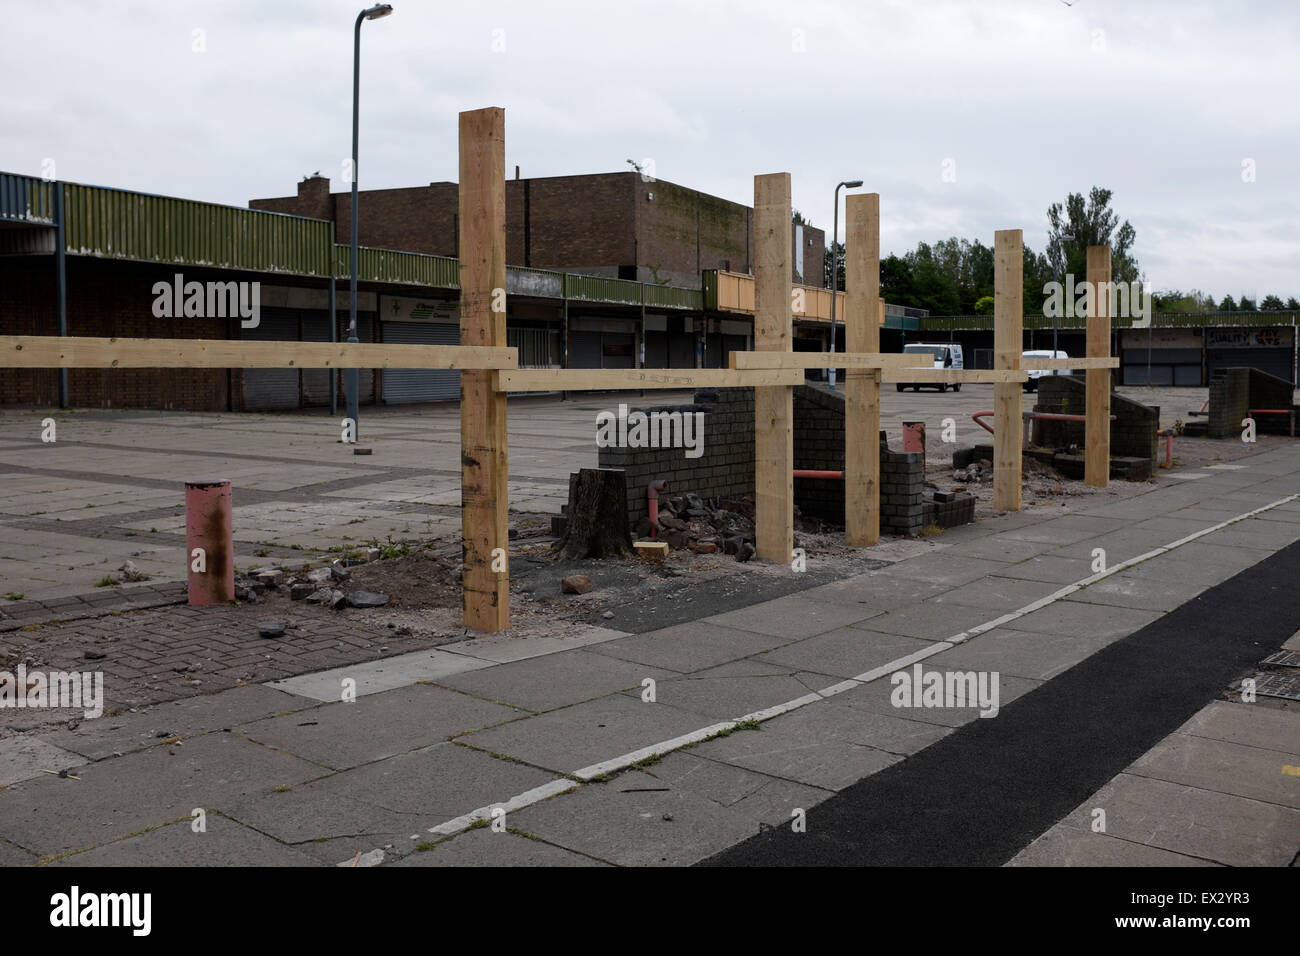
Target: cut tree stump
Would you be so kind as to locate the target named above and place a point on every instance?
(597, 525)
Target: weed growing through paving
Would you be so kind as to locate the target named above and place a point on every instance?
(14, 596)
(107, 581)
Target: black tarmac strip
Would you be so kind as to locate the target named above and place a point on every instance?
(983, 793)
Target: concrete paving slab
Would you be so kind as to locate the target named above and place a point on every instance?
(1049, 568)
(504, 648)
(1245, 771)
(11, 855)
(847, 652)
(385, 802)
(1070, 846)
(1257, 533)
(1097, 621)
(827, 762)
(997, 594)
(943, 567)
(930, 621)
(344, 735)
(1253, 725)
(877, 591)
(794, 617)
(122, 795)
(1021, 653)
(1004, 549)
(897, 733)
(575, 737)
(1198, 562)
(668, 815)
(225, 843)
(186, 717)
(875, 698)
(23, 757)
(1068, 529)
(1232, 830)
(1140, 593)
(733, 690)
(486, 847)
(375, 677)
(690, 647)
(557, 680)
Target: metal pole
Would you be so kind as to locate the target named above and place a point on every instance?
(334, 337)
(61, 281)
(835, 280)
(352, 376)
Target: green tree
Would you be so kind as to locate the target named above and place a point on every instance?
(1078, 224)
(984, 305)
(1271, 303)
(835, 261)
(1227, 305)
(1246, 305)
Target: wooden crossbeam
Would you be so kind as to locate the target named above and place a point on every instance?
(1008, 342)
(1046, 364)
(953, 376)
(53, 351)
(862, 383)
(804, 360)
(484, 496)
(615, 379)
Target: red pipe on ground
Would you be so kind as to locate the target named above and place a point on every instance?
(1277, 411)
(652, 504)
(813, 473)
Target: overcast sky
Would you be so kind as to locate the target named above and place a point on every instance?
(1160, 101)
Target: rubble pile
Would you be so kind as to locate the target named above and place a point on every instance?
(687, 522)
(324, 586)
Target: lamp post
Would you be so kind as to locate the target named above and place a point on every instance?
(352, 377)
(835, 268)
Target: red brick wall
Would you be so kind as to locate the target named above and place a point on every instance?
(578, 223)
(105, 298)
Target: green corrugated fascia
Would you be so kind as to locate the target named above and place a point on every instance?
(116, 224)
(978, 323)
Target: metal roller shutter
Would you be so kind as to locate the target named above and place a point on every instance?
(315, 381)
(420, 385)
(272, 389)
(1276, 361)
(584, 350)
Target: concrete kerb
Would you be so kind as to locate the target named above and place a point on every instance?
(602, 769)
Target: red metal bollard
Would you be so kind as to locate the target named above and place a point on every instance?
(209, 543)
(914, 439)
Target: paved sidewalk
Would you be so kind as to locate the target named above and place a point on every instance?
(754, 716)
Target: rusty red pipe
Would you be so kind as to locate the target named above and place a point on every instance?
(813, 473)
(652, 504)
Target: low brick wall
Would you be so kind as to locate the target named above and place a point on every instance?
(726, 468)
(1132, 433)
(1235, 391)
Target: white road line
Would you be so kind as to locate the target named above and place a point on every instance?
(586, 774)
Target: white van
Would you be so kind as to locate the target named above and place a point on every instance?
(1031, 383)
(947, 355)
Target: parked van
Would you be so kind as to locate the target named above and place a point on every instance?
(1031, 383)
(947, 355)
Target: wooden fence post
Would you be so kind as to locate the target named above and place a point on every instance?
(861, 386)
(773, 404)
(483, 452)
(1096, 454)
(1008, 344)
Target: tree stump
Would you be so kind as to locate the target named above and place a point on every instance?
(597, 525)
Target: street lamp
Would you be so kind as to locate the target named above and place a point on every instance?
(352, 377)
(835, 268)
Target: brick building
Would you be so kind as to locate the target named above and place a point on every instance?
(616, 225)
